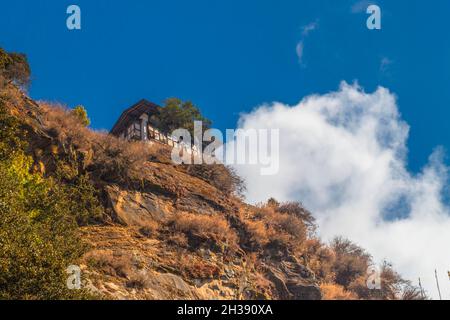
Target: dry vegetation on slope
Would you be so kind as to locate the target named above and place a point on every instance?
(154, 230)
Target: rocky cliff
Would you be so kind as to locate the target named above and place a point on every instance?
(155, 230)
(165, 232)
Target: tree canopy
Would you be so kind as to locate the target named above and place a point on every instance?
(14, 67)
(178, 114)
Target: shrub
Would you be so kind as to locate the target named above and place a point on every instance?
(392, 287)
(266, 225)
(138, 281)
(197, 268)
(297, 210)
(38, 231)
(351, 261)
(11, 138)
(39, 238)
(150, 229)
(114, 265)
(65, 124)
(332, 291)
(319, 258)
(178, 239)
(258, 232)
(14, 67)
(272, 202)
(109, 159)
(290, 225)
(222, 177)
(81, 113)
(86, 204)
(205, 227)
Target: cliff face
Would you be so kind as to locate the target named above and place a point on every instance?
(166, 232)
(135, 258)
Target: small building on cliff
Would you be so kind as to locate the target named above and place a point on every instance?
(135, 124)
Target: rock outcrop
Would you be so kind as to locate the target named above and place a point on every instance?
(142, 250)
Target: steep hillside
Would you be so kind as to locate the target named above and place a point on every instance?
(165, 233)
(154, 230)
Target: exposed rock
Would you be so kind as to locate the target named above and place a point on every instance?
(134, 208)
(293, 287)
(126, 263)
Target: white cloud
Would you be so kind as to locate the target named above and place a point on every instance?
(309, 28)
(384, 64)
(361, 6)
(343, 155)
(300, 47)
(299, 51)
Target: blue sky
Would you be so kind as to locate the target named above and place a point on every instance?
(231, 56)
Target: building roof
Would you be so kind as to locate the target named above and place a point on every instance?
(133, 113)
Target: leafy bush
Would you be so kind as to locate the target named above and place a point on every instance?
(38, 229)
(86, 205)
(81, 113)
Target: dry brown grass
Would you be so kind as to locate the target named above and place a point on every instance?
(319, 258)
(222, 177)
(106, 261)
(109, 158)
(331, 291)
(150, 229)
(258, 232)
(11, 95)
(212, 227)
(177, 239)
(197, 268)
(137, 281)
(265, 225)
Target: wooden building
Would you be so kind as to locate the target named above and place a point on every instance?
(135, 124)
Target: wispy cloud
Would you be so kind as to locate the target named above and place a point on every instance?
(299, 50)
(309, 27)
(361, 6)
(384, 64)
(300, 47)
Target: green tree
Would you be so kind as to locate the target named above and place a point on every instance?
(81, 113)
(14, 67)
(178, 114)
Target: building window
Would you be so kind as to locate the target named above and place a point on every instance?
(134, 131)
